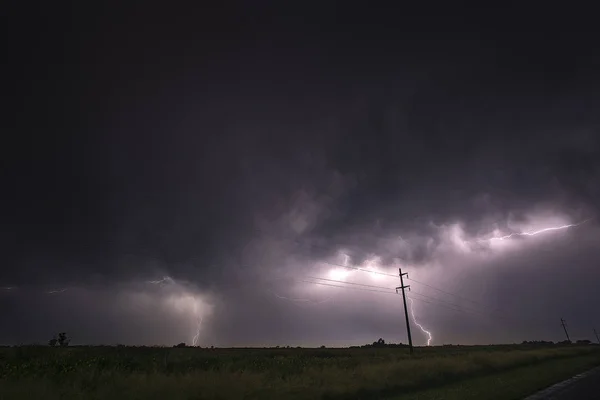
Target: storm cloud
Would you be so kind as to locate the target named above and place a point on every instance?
(170, 174)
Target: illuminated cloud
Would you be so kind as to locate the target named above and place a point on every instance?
(223, 195)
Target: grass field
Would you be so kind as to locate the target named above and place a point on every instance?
(455, 372)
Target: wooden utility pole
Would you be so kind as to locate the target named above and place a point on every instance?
(564, 325)
(405, 308)
(597, 339)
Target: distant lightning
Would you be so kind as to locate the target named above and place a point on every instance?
(499, 238)
(7, 289)
(412, 312)
(197, 335)
(56, 291)
(165, 280)
(533, 233)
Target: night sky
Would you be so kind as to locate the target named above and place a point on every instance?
(169, 173)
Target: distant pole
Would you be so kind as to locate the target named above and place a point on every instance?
(405, 308)
(596, 333)
(564, 325)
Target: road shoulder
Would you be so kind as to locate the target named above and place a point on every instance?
(582, 386)
(514, 384)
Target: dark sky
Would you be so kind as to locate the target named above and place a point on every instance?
(244, 149)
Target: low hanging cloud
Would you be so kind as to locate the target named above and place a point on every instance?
(223, 200)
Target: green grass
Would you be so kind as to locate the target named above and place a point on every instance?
(336, 374)
(513, 384)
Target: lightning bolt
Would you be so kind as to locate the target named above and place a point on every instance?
(533, 233)
(197, 335)
(412, 312)
(165, 280)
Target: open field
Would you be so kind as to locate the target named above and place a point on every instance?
(506, 372)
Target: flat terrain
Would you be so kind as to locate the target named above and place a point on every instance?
(449, 372)
(585, 386)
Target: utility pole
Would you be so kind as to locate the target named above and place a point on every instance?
(405, 308)
(596, 333)
(564, 325)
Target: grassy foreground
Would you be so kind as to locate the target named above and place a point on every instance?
(513, 384)
(458, 372)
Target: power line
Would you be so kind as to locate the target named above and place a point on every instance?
(371, 288)
(484, 310)
(450, 306)
(440, 305)
(360, 269)
(496, 310)
(394, 276)
(308, 301)
(491, 310)
(345, 287)
(458, 306)
(455, 306)
(435, 301)
(301, 302)
(350, 283)
(445, 292)
(419, 282)
(499, 312)
(413, 280)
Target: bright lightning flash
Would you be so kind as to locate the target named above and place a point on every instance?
(197, 335)
(412, 312)
(533, 233)
(184, 301)
(339, 274)
(165, 280)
